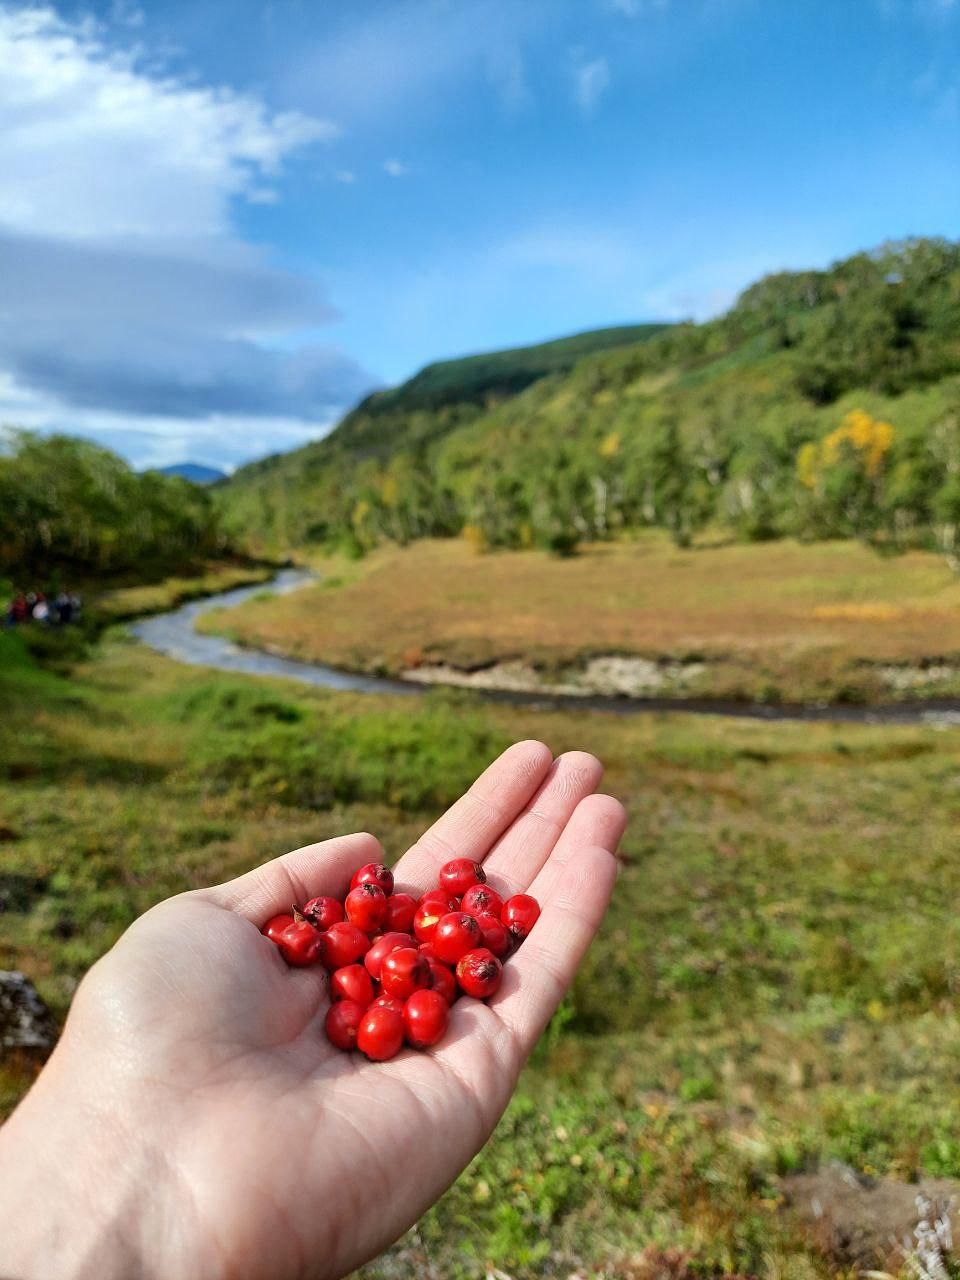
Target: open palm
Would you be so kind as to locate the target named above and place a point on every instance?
(272, 1154)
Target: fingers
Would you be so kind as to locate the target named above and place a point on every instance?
(523, 849)
(537, 977)
(473, 823)
(597, 821)
(298, 876)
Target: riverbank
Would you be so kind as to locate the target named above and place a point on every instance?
(774, 624)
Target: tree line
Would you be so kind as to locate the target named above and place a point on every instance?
(69, 508)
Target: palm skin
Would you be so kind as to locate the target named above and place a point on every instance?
(230, 1138)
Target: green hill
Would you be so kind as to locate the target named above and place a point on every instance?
(824, 403)
(292, 498)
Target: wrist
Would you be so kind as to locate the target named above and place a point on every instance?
(80, 1198)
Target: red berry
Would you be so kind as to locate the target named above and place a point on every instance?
(352, 983)
(276, 925)
(323, 911)
(425, 1018)
(344, 944)
(380, 1034)
(442, 980)
(387, 1002)
(450, 900)
(481, 900)
(342, 1022)
(381, 947)
(520, 913)
(401, 909)
(374, 873)
(366, 907)
(454, 936)
(301, 944)
(403, 972)
(496, 936)
(479, 973)
(429, 915)
(459, 874)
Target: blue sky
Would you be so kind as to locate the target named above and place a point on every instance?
(221, 223)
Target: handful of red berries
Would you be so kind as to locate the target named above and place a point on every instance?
(397, 964)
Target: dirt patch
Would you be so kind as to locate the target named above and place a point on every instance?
(866, 1223)
(608, 674)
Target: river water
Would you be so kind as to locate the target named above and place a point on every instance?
(174, 634)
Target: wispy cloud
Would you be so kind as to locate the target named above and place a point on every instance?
(401, 56)
(591, 79)
(634, 8)
(346, 176)
(396, 168)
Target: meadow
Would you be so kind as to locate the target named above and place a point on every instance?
(774, 989)
(777, 622)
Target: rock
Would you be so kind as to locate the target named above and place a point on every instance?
(864, 1223)
(25, 1021)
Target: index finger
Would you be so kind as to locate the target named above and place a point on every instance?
(471, 825)
(536, 978)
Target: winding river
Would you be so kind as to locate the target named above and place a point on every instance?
(174, 634)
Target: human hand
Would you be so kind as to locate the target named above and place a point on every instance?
(194, 1121)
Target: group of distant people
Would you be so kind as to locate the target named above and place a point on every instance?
(36, 606)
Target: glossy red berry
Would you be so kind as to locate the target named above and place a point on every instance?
(374, 873)
(401, 909)
(460, 874)
(380, 1034)
(381, 947)
(496, 936)
(520, 913)
(323, 911)
(387, 1002)
(454, 936)
(428, 916)
(342, 1022)
(450, 900)
(403, 972)
(442, 980)
(352, 983)
(301, 944)
(366, 907)
(481, 900)
(425, 1018)
(479, 973)
(344, 944)
(276, 925)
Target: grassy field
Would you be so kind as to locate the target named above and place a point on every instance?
(775, 986)
(776, 621)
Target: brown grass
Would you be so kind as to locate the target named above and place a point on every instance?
(796, 616)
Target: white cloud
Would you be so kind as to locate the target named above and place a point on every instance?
(346, 176)
(591, 79)
(396, 168)
(93, 145)
(127, 295)
(218, 440)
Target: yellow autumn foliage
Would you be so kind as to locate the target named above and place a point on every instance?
(869, 438)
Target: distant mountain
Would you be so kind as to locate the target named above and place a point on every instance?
(195, 472)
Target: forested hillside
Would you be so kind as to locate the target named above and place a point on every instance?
(69, 507)
(382, 451)
(824, 403)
